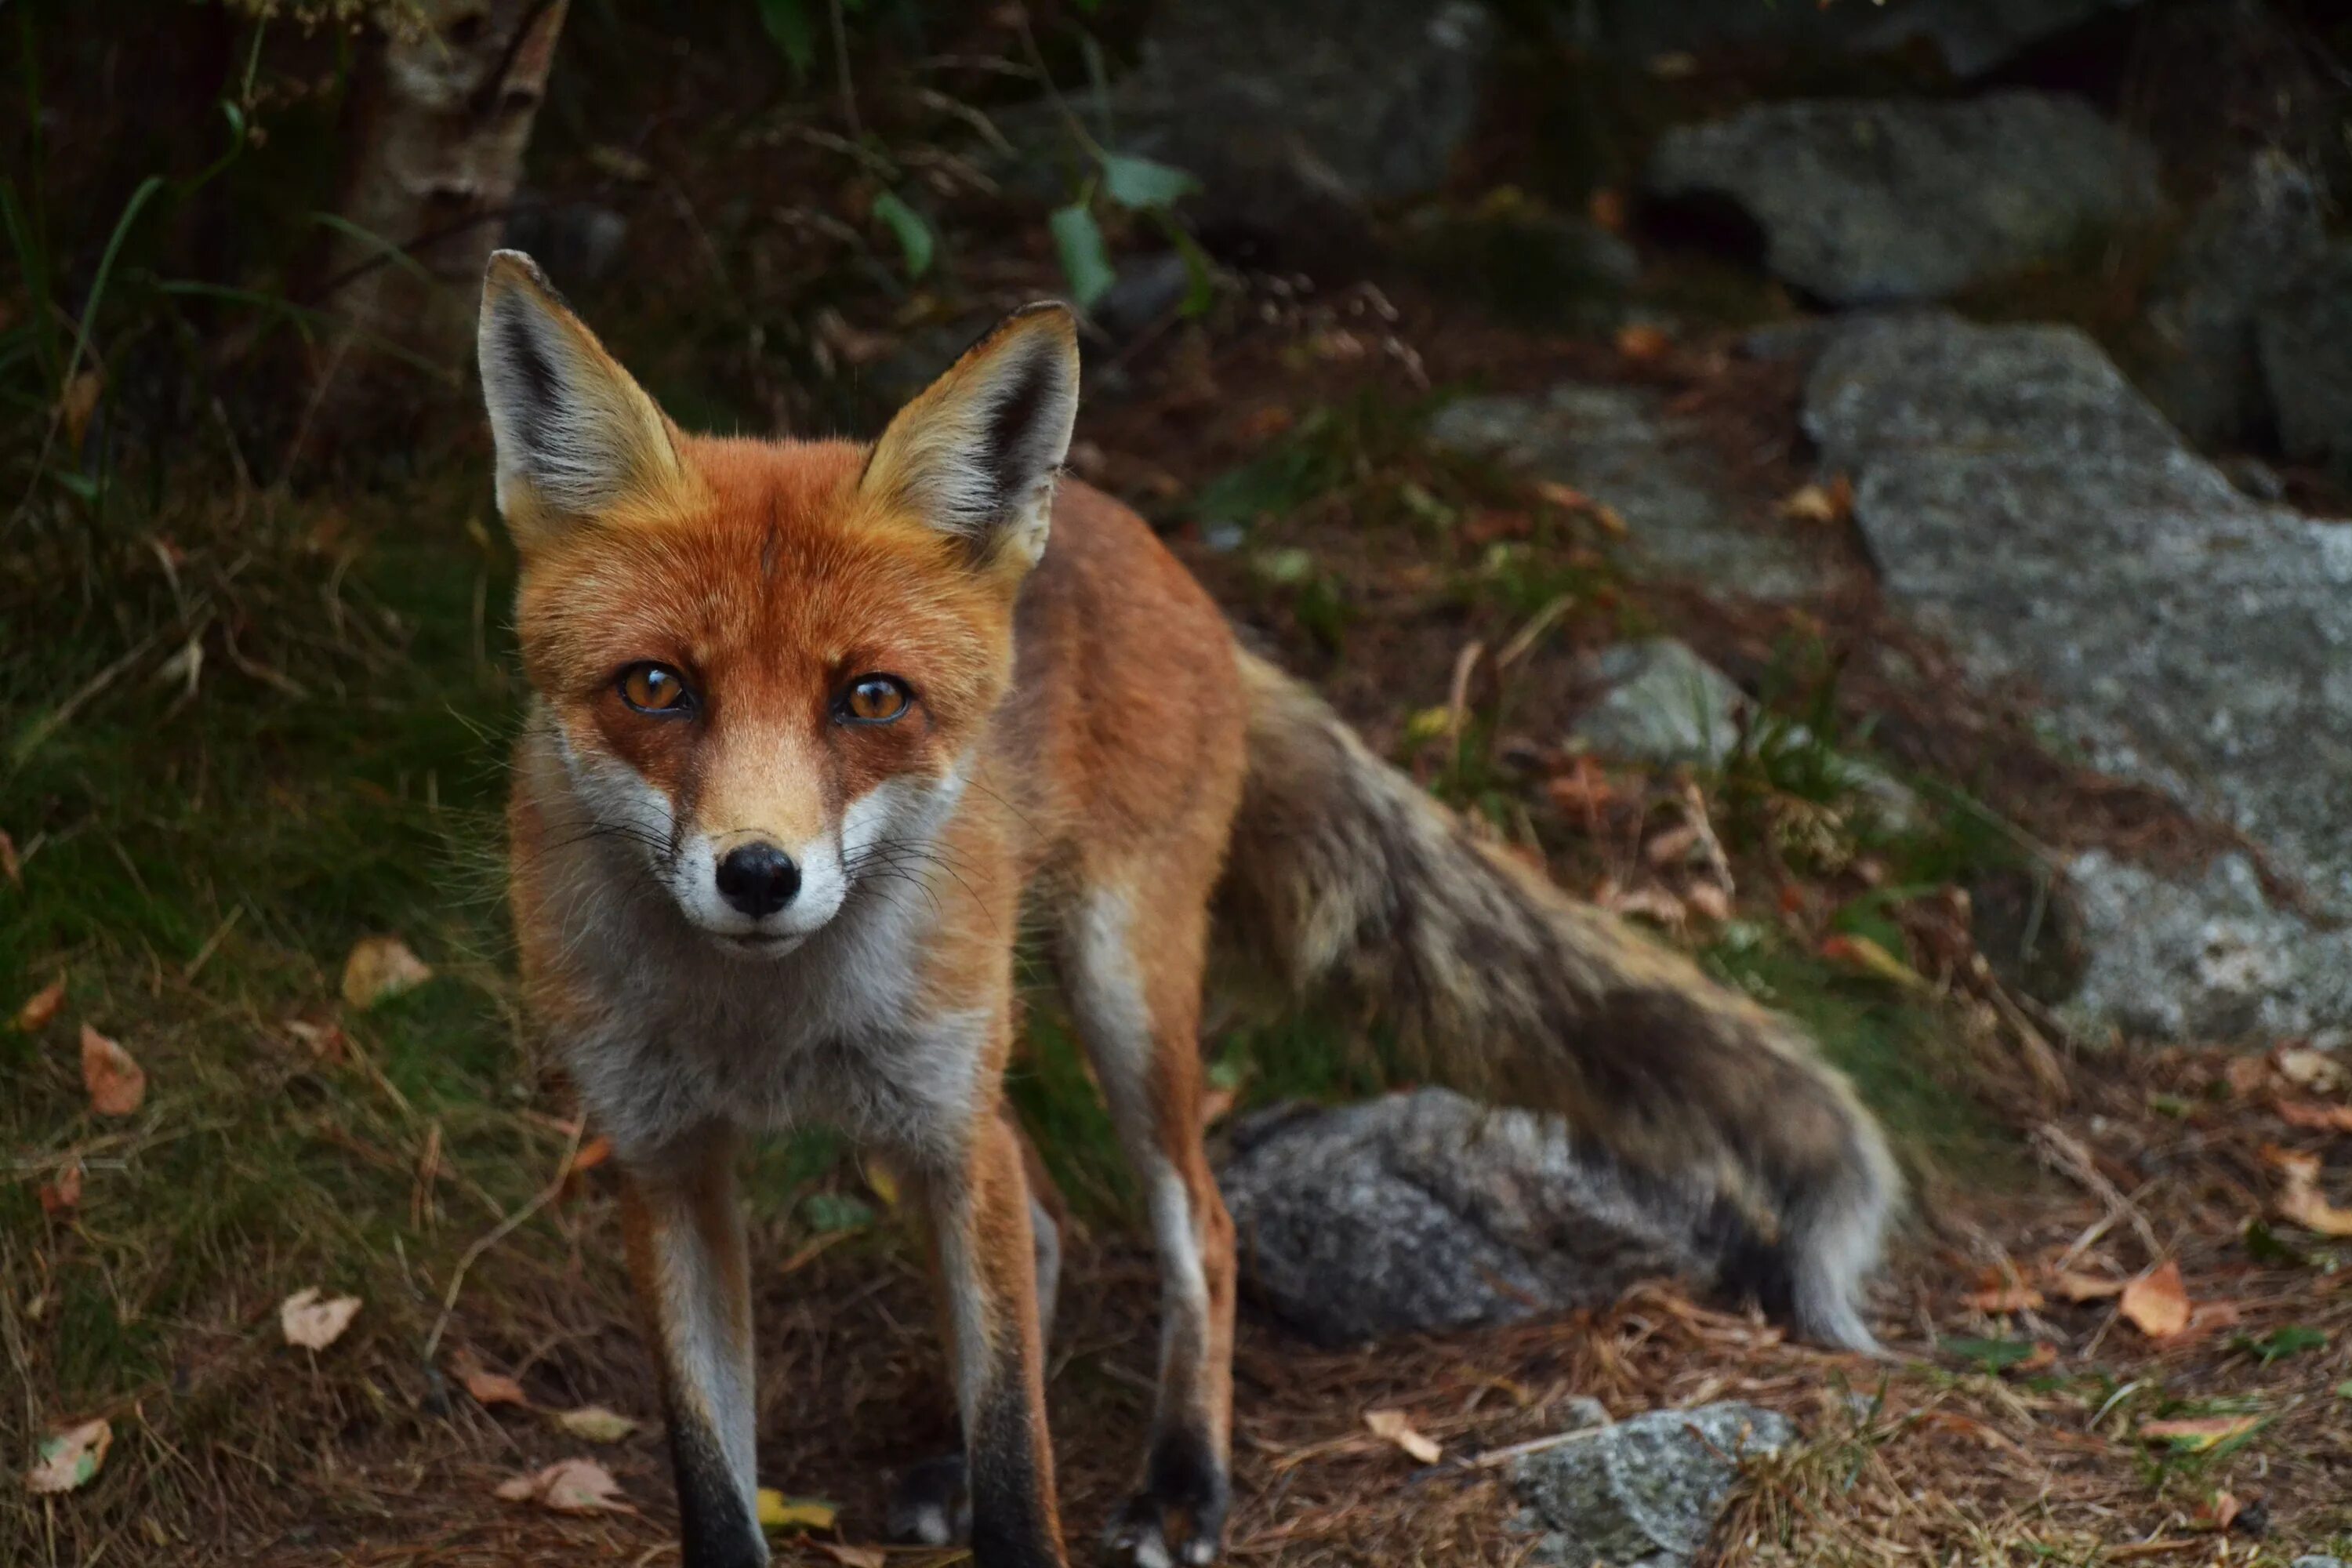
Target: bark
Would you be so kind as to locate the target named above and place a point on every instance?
(437, 130)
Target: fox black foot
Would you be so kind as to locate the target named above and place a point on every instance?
(1179, 1517)
(931, 1506)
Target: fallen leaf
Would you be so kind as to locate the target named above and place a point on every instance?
(569, 1486)
(592, 1153)
(2301, 1201)
(42, 1005)
(854, 1557)
(2196, 1436)
(2312, 1069)
(1861, 953)
(2247, 1076)
(2010, 1298)
(2157, 1303)
(1265, 422)
(380, 967)
(2219, 1513)
(115, 1083)
(324, 1041)
(1823, 505)
(12, 865)
(778, 1511)
(313, 1324)
(79, 402)
(595, 1424)
(2045, 1357)
(487, 1387)
(1397, 1427)
(63, 1191)
(1642, 344)
(2069, 1286)
(2314, 1116)
(1606, 207)
(66, 1460)
(1582, 790)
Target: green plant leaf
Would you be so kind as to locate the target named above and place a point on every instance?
(787, 22)
(914, 242)
(1989, 1355)
(1085, 261)
(2280, 1343)
(1139, 185)
(837, 1211)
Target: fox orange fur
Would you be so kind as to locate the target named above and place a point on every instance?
(817, 725)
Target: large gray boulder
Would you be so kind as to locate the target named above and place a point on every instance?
(1972, 35)
(2021, 497)
(2305, 336)
(1864, 202)
(1618, 445)
(1297, 114)
(1644, 1492)
(2252, 235)
(1424, 1211)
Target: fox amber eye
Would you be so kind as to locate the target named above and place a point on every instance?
(655, 689)
(876, 699)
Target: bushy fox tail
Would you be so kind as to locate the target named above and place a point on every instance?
(1344, 872)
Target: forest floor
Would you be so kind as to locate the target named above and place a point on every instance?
(198, 838)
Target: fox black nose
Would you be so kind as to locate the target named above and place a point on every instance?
(758, 878)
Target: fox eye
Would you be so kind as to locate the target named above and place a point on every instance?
(655, 689)
(875, 700)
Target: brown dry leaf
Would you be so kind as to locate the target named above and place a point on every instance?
(2070, 1286)
(487, 1387)
(41, 1006)
(569, 1486)
(1583, 790)
(1606, 207)
(66, 1460)
(1824, 505)
(2195, 1435)
(1265, 422)
(2247, 1076)
(12, 865)
(2221, 1512)
(2043, 1356)
(115, 1083)
(62, 1191)
(324, 1041)
(313, 1324)
(2157, 1303)
(2300, 1200)
(2312, 1069)
(1567, 498)
(381, 967)
(1396, 1427)
(1861, 953)
(854, 1557)
(1642, 344)
(79, 402)
(592, 1154)
(595, 1424)
(2009, 1298)
(2315, 1115)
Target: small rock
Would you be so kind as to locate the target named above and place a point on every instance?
(1616, 444)
(1868, 201)
(1659, 703)
(1425, 1210)
(1146, 288)
(2255, 232)
(2319, 1559)
(1644, 1492)
(2305, 340)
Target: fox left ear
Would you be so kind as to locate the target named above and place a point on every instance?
(975, 455)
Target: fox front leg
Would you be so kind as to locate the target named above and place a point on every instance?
(978, 1211)
(685, 1234)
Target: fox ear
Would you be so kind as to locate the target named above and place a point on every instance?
(975, 455)
(575, 434)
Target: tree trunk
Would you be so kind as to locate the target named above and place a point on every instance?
(436, 132)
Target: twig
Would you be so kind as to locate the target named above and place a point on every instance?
(2065, 1154)
(491, 1237)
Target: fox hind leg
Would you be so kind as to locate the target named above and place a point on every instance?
(1132, 965)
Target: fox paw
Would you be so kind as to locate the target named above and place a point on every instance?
(931, 1506)
(1178, 1518)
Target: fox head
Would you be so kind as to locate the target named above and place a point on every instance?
(767, 664)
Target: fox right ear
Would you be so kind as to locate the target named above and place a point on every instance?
(576, 436)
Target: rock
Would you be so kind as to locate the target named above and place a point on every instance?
(1659, 703)
(1972, 35)
(1146, 288)
(1873, 202)
(2305, 340)
(1425, 1210)
(2318, 1560)
(1293, 116)
(1641, 1493)
(2251, 233)
(2202, 957)
(2020, 498)
(1616, 444)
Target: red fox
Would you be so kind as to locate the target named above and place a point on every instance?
(817, 725)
